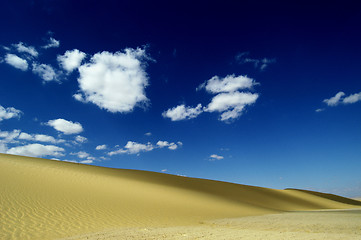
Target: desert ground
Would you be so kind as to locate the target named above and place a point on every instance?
(49, 199)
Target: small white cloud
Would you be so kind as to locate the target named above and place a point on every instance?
(81, 139)
(9, 137)
(182, 112)
(169, 145)
(46, 72)
(22, 48)
(164, 170)
(53, 43)
(148, 134)
(230, 83)
(320, 110)
(39, 138)
(334, 101)
(172, 146)
(133, 148)
(37, 150)
(9, 112)
(214, 157)
(66, 127)
(71, 59)
(352, 98)
(231, 104)
(16, 62)
(162, 144)
(101, 147)
(81, 154)
(114, 81)
(87, 161)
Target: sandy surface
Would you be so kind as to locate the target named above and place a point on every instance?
(46, 199)
(320, 225)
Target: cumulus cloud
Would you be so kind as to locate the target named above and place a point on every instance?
(231, 104)
(181, 112)
(230, 83)
(71, 60)
(16, 61)
(65, 126)
(133, 148)
(22, 48)
(36, 150)
(352, 98)
(261, 64)
(81, 154)
(9, 112)
(114, 81)
(81, 139)
(86, 161)
(340, 98)
(52, 43)
(9, 137)
(169, 145)
(38, 138)
(101, 147)
(46, 72)
(214, 157)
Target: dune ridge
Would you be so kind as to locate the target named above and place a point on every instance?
(47, 199)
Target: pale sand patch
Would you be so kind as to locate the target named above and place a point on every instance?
(317, 225)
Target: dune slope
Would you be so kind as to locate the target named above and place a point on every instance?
(47, 199)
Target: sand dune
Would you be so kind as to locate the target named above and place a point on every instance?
(47, 199)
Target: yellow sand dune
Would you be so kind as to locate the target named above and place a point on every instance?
(47, 199)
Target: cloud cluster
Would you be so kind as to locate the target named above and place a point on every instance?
(37, 150)
(228, 101)
(135, 148)
(340, 98)
(65, 126)
(9, 112)
(22, 48)
(261, 64)
(39, 138)
(114, 81)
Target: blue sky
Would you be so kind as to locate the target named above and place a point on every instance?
(258, 93)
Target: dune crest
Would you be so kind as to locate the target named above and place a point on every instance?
(47, 199)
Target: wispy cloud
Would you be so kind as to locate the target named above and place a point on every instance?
(215, 157)
(259, 63)
(9, 112)
(16, 62)
(52, 43)
(341, 98)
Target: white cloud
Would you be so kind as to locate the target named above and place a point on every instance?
(114, 81)
(38, 137)
(101, 147)
(230, 83)
(181, 112)
(133, 148)
(46, 72)
(81, 139)
(319, 110)
(171, 146)
(36, 150)
(352, 98)
(214, 157)
(66, 127)
(340, 98)
(22, 48)
(16, 62)
(231, 104)
(81, 154)
(9, 137)
(9, 112)
(71, 59)
(164, 170)
(148, 134)
(53, 43)
(87, 161)
(334, 101)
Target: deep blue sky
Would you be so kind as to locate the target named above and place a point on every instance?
(312, 51)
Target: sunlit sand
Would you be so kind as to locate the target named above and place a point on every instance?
(48, 199)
